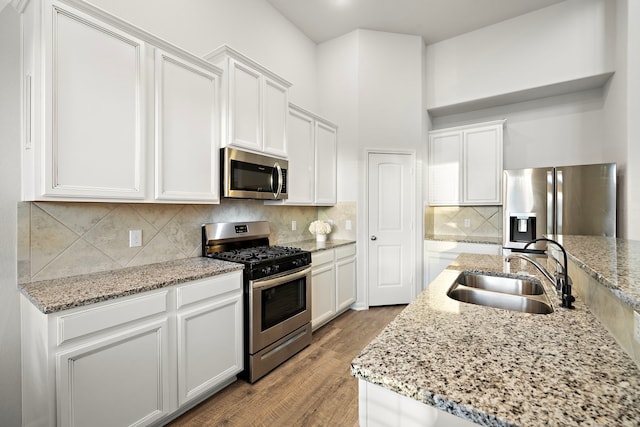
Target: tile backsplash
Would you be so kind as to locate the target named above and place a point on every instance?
(466, 221)
(57, 239)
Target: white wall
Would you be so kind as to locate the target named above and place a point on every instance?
(563, 42)
(338, 100)
(559, 130)
(570, 40)
(252, 27)
(371, 83)
(10, 390)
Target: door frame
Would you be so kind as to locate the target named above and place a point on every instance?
(363, 232)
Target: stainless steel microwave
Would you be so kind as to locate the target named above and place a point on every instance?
(252, 176)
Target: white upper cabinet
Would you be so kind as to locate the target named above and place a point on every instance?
(301, 136)
(326, 163)
(312, 143)
(482, 152)
(84, 102)
(255, 104)
(90, 129)
(187, 131)
(465, 165)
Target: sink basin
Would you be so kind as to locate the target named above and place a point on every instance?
(508, 293)
(509, 285)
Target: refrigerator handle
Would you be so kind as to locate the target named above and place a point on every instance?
(550, 203)
(559, 201)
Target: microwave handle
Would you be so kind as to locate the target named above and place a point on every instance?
(279, 169)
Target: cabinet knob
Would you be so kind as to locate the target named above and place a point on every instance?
(374, 238)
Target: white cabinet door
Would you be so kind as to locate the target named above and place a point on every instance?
(345, 277)
(465, 165)
(326, 164)
(187, 128)
(323, 288)
(275, 112)
(122, 379)
(483, 166)
(244, 107)
(445, 168)
(209, 334)
(439, 254)
(209, 346)
(437, 262)
(94, 80)
(255, 106)
(300, 136)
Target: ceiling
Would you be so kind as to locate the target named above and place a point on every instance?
(434, 20)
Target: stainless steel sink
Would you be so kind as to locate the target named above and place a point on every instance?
(508, 293)
(509, 285)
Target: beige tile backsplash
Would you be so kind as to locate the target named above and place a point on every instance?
(57, 239)
(475, 221)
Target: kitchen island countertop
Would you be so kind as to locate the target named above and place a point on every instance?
(55, 295)
(503, 368)
(613, 262)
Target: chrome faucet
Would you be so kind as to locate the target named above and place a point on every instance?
(560, 280)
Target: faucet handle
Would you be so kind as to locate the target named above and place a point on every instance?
(564, 291)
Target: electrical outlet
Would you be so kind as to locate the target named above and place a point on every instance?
(348, 224)
(467, 222)
(294, 225)
(636, 325)
(135, 238)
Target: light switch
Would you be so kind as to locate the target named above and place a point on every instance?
(348, 225)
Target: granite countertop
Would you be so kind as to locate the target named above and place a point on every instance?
(312, 246)
(464, 239)
(504, 368)
(55, 295)
(615, 263)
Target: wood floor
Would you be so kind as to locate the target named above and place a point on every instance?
(313, 388)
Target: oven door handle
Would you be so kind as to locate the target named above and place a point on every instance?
(281, 278)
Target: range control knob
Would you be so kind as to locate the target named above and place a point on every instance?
(266, 271)
(276, 268)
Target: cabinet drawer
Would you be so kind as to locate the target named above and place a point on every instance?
(322, 257)
(75, 325)
(210, 287)
(345, 251)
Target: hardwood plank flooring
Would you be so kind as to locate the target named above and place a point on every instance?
(313, 388)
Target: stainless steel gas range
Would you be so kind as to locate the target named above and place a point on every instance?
(277, 292)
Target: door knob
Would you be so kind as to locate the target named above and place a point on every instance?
(374, 238)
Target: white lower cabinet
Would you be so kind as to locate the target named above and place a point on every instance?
(439, 254)
(209, 336)
(131, 361)
(333, 283)
(128, 371)
(323, 288)
(381, 407)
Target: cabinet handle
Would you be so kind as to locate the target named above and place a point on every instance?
(27, 113)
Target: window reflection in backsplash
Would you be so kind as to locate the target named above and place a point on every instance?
(57, 239)
(463, 221)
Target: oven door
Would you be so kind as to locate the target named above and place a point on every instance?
(278, 305)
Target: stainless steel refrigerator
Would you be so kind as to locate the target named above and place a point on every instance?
(570, 200)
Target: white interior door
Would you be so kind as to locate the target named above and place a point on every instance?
(391, 262)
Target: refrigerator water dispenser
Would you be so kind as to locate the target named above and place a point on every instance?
(522, 227)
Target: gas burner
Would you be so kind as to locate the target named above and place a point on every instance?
(257, 254)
